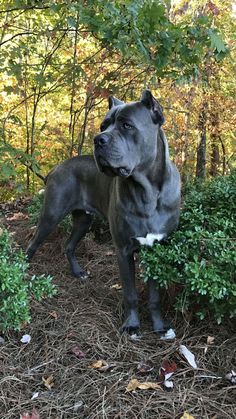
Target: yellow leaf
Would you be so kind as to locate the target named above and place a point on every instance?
(148, 384)
(186, 415)
(134, 384)
(48, 382)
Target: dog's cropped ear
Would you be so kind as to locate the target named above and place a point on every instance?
(112, 101)
(154, 106)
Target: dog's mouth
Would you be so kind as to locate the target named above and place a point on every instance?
(108, 170)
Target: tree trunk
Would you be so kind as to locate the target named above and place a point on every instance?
(215, 155)
(73, 92)
(201, 150)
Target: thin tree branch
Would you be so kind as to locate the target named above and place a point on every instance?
(15, 36)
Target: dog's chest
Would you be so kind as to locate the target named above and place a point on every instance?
(146, 229)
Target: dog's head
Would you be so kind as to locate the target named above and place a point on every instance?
(128, 138)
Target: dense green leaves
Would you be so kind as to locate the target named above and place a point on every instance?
(200, 258)
(16, 287)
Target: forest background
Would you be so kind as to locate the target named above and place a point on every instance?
(60, 60)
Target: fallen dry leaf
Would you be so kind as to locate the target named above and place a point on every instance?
(48, 382)
(102, 365)
(145, 366)
(167, 367)
(98, 364)
(18, 216)
(186, 415)
(134, 384)
(188, 355)
(78, 352)
(210, 340)
(116, 287)
(33, 415)
(166, 371)
(53, 314)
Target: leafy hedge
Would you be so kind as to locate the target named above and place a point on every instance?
(17, 287)
(201, 256)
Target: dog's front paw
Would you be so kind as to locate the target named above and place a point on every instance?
(131, 324)
(168, 335)
(163, 328)
(81, 274)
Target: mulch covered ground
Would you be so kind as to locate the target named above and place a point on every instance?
(80, 326)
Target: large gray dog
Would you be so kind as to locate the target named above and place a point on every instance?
(132, 182)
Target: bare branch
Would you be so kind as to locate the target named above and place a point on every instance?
(16, 35)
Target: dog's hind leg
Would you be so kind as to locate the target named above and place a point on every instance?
(47, 223)
(55, 208)
(81, 223)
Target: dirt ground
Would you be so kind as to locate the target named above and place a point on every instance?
(80, 326)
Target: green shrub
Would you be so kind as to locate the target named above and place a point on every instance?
(17, 287)
(200, 257)
(35, 208)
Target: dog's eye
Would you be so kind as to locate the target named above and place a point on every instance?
(102, 127)
(127, 126)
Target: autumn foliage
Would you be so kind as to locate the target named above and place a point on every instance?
(60, 61)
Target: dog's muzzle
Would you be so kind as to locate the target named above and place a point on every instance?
(101, 155)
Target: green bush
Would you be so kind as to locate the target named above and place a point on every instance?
(17, 287)
(35, 208)
(200, 257)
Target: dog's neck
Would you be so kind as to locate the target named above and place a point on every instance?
(144, 185)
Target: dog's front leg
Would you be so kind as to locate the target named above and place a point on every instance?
(127, 275)
(158, 324)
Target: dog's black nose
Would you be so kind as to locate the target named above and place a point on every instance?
(101, 139)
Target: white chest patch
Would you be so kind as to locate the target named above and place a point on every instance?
(150, 239)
